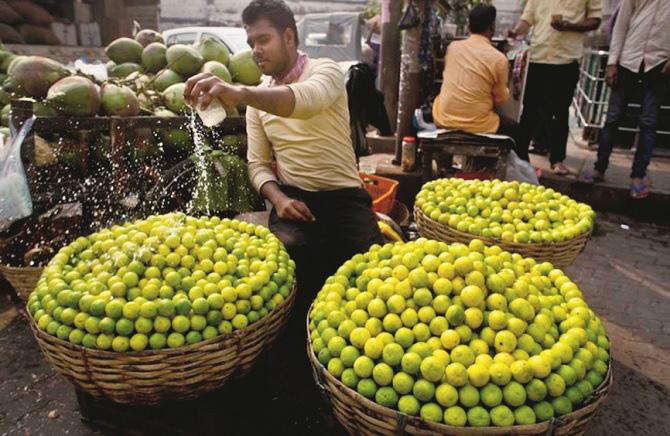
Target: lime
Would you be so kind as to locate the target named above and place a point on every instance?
(403, 383)
(423, 390)
(431, 412)
(363, 366)
(382, 374)
(524, 415)
(479, 417)
(502, 416)
(349, 378)
(409, 405)
(456, 374)
(468, 396)
(367, 388)
(514, 394)
(491, 395)
(432, 369)
(536, 390)
(386, 396)
(544, 411)
(562, 405)
(410, 363)
(455, 416)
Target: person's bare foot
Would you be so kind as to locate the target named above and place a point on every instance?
(560, 169)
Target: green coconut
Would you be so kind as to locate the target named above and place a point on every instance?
(213, 50)
(184, 60)
(36, 74)
(119, 100)
(4, 115)
(217, 69)
(165, 79)
(5, 59)
(173, 98)
(153, 57)
(124, 50)
(74, 96)
(11, 87)
(125, 70)
(4, 97)
(40, 109)
(148, 36)
(175, 141)
(243, 68)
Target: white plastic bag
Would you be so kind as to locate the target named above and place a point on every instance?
(520, 170)
(15, 201)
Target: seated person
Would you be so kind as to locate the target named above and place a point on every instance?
(474, 81)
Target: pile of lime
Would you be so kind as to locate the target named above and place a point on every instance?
(460, 335)
(507, 211)
(162, 282)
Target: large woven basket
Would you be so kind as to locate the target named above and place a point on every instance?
(22, 279)
(360, 416)
(149, 377)
(560, 254)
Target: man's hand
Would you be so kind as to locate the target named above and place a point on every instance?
(560, 25)
(611, 75)
(203, 88)
(666, 68)
(292, 209)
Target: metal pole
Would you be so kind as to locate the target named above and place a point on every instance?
(389, 59)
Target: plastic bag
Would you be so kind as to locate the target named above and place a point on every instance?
(520, 170)
(15, 201)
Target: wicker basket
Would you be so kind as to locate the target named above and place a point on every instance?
(148, 377)
(22, 279)
(560, 254)
(360, 416)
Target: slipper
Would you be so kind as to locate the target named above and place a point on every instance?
(589, 178)
(639, 192)
(560, 169)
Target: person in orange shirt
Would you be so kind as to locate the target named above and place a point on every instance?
(475, 81)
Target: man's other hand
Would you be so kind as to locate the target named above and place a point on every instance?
(611, 74)
(296, 210)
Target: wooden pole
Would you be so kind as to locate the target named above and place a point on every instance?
(389, 59)
(409, 94)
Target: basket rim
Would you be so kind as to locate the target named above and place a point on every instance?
(497, 241)
(29, 269)
(184, 349)
(598, 394)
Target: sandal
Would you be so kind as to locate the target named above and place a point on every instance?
(640, 191)
(590, 178)
(560, 169)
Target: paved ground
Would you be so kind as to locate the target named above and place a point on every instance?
(581, 157)
(624, 272)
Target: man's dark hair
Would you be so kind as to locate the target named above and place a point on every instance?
(481, 18)
(275, 11)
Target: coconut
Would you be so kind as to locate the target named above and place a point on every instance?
(123, 50)
(4, 115)
(11, 87)
(119, 100)
(213, 50)
(184, 60)
(75, 96)
(217, 69)
(5, 59)
(40, 109)
(36, 74)
(165, 79)
(148, 36)
(173, 97)
(10, 63)
(125, 70)
(175, 141)
(153, 57)
(243, 68)
(4, 97)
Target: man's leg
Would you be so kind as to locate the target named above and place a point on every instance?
(352, 224)
(654, 88)
(563, 86)
(615, 110)
(532, 107)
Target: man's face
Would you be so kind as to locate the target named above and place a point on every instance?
(270, 46)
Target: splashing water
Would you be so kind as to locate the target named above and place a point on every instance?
(199, 142)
